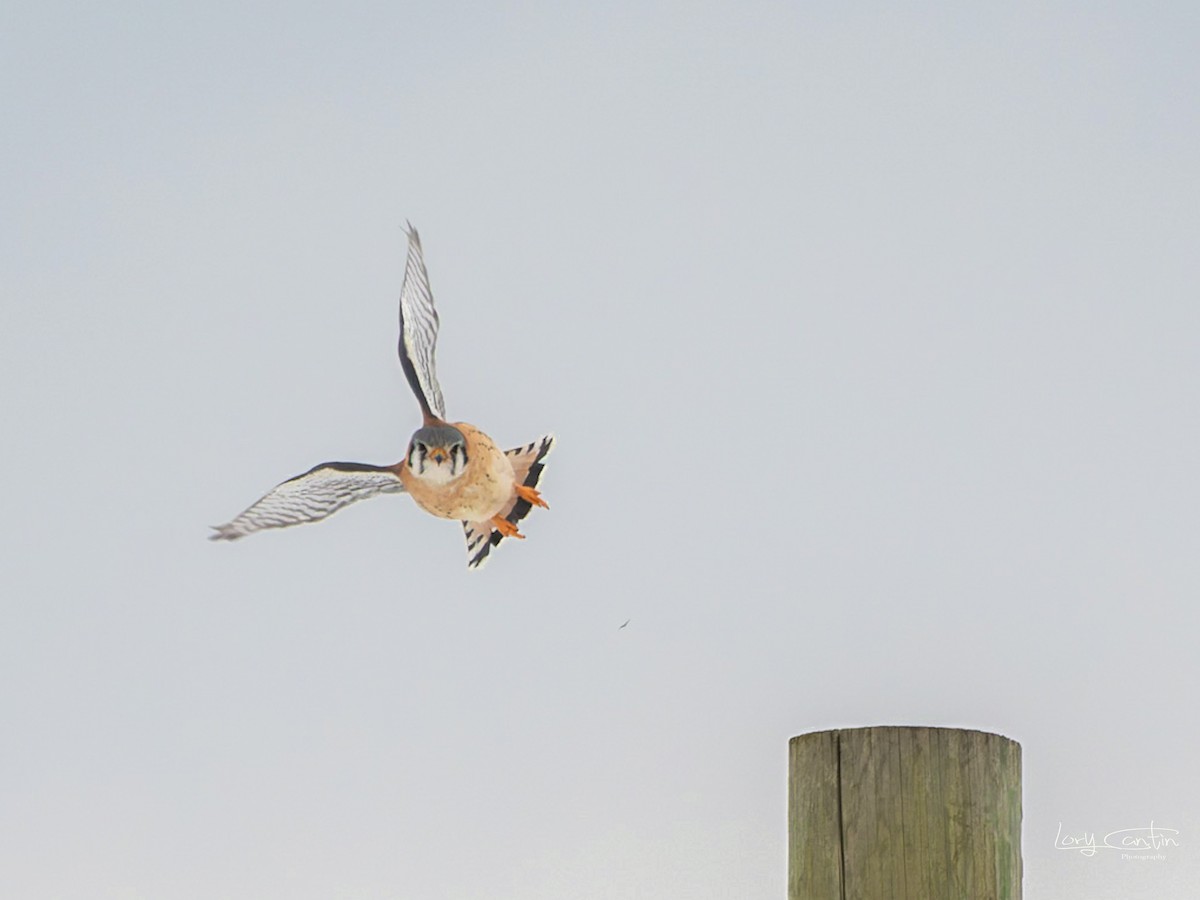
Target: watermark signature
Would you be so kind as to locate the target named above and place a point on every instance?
(1149, 842)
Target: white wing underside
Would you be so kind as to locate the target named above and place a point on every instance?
(419, 329)
(319, 492)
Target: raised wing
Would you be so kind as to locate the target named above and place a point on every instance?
(418, 331)
(319, 492)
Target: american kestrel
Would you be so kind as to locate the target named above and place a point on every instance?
(453, 471)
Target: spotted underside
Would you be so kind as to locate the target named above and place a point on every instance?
(527, 463)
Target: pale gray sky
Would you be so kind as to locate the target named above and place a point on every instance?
(870, 335)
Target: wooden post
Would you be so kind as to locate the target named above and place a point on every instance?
(894, 813)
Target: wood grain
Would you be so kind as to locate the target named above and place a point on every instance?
(899, 813)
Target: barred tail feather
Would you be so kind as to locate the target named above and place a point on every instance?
(527, 462)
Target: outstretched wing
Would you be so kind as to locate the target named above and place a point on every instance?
(319, 492)
(419, 330)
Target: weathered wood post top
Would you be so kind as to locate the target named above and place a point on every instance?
(904, 813)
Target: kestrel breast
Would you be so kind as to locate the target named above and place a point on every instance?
(480, 493)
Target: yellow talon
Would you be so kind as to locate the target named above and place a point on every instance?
(506, 528)
(531, 496)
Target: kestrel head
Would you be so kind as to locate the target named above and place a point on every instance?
(437, 453)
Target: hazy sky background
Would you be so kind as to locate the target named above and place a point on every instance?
(870, 335)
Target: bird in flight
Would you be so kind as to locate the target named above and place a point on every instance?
(453, 471)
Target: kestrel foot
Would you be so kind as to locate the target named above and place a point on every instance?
(506, 528)
(532, 496)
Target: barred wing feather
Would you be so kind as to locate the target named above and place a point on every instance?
(419, 331)
(319, 492)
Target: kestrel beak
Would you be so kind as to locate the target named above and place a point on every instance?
(439, 455)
